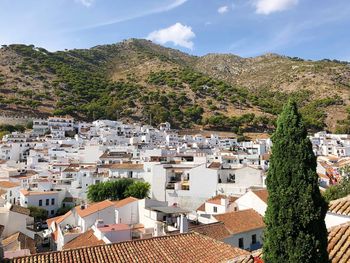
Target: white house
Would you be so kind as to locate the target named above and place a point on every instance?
(79, 220)
(218, 204)
(15, 218)
(127, 211)
(246, 228)
(48, 200)
(12, 191)
(253, 199)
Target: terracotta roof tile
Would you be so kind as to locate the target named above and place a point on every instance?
(26, 192)
(190, 247)
(339, 243)
(323, 176)
(8, 184)
(214, 230)
(201, 208)
(241, 221)
(20, 209)
(215, 165)
(340, 206)
(262, 194)
(125, 201)
(86, 239)
(93, 208)
(20, 241)
(49, 221)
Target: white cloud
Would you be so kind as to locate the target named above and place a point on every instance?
(223, 9)
(86, 3)
(178, 34)
(266, 7)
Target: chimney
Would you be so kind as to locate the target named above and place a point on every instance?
(183, 224)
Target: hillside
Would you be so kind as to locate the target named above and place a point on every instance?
(137, 80)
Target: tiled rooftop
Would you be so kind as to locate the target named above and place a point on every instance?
(124, 201)
(26, 192)
(191, 247)
(93, 208)
(214, 230)
(8, 184)
(241, 221)
(340, 206)
(215, 165)
(19, 241)
(86, 239)
(20, 209)
(339, 244)
(262, 194)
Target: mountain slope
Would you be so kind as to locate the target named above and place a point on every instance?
(138, 80)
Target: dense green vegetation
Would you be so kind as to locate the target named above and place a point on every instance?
(118, 189)
(343, 126)
(313, 111)
(340, 190)
(138, 190)
(295, 226)
(39, 214)
(7, 128)
(80, 86)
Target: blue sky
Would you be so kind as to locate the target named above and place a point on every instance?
(312, 29)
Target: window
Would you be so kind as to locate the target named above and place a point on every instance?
(253, 239)
(231, 178)
(215, 209)
(40, 202)
(52, 201)
(47, 201)
(241, 243)
(52, 212)
(10, 193)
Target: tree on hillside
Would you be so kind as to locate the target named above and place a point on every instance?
(295, 227)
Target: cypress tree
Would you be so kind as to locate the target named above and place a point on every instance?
(295, 228)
